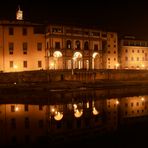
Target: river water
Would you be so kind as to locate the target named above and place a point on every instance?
(105, 117)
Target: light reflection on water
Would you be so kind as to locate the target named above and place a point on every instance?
(69, 116)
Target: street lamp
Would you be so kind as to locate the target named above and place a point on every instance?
(15, 67)
(117, 65)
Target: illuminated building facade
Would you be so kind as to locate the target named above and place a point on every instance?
(27, 46)
(22, 46)
(133, 54)
(79, 48)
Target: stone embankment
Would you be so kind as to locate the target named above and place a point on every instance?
(69, 85)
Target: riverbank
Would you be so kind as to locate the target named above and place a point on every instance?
(70, 85)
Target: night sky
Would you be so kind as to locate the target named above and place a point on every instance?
(124, 17)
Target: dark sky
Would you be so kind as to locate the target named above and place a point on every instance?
(128, 18)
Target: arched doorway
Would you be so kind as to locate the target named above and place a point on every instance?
(96, 61)
(77, 60)
(56, 62)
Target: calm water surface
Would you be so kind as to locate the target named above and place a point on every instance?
(107, 118)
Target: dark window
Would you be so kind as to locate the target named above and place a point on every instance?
(11, 31)
(39, 46)
(57, 45)
(95, 47)
(26, 107)
(12, 108)
(77, 44)
(25, 64)
(27, 123)
(68, 44)
(13, 123)
(24, 31)
(11, 48)
(40, 107)
(39, 64)
(86, 47)
(25, 48)
(41, 123)
(11, 64)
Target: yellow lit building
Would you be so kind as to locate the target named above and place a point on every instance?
(69, 47)
(22, 46)
(133, 53)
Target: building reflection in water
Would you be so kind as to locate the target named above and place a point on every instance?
(45, 122)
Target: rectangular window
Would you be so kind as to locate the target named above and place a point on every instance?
(96, 47)
(39, 46)
(24, 31)
(25, 64)
(11, 64)
(41, 123)
(40, 107)
(57, 45)
(27, 123)
(11, 48)
(11, 31)
(26, 107)
(39, 64)
(13, 123)
(12, 108)
(25, 47)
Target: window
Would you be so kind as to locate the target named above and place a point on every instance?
(132, 58)
(41, 123)
(24, 31)
(13, 123)
(95, 47)
(126, 58)
(26, 107)
(25, 64)
(39, 46)
(11, 48)
(12, 108)
(25, 48)
(11, 31)
(68, 44)
(77, 44)
(39, 64)
(40, 107)
(86, 47)
(11, 64)
(27, 123)
(57, 45)
(126, 50)
(137, 58)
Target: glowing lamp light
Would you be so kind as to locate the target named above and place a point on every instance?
(58, 116)
(16, 109)
(95, 112)
(78, 113)
(15, 66)
(117, 102)
(142, 99)
(143, 65)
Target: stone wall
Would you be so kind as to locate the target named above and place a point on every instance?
(42, 76)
